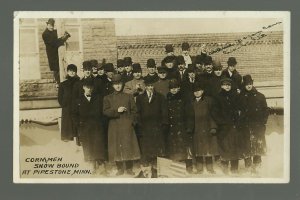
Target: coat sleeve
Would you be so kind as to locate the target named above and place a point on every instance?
(265, 109)
(133, 110)
(164, 110)
(52, 41)
(108, 110)
(189, 116)
(60, 96)
(212, 123)
(75, 112)
(216, 112)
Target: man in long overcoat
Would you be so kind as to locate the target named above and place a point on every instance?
(226, 114)
(65, 100)
(153, 123)
(52, 43)
(204, 138)
(87, 114)
(253, 119)
(179, 138)
(121, 110)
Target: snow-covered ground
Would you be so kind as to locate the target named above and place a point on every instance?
(44, 142)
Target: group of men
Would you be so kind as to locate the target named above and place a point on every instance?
(188, 109)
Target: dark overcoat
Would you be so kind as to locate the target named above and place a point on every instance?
(180, 127)
(122, 140)
(226, 114)
(205, 144)
(253, 119)
(52, 43)
(153, 118)
(65, 100)
(208, 82)
(88, 117)
(187, 89)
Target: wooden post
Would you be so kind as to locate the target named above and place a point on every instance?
(60, 25)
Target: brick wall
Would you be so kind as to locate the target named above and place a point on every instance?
(99, 40)
(262, 58)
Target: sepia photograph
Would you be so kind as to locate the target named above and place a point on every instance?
(152, 97)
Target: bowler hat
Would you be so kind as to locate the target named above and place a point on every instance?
(180, 60)
(72, 67)
(136, 67)
(161, 70)
(231, 61)
(108, 67)
(247, 79)
(225, 80)
(151, 63)
(207, 60)
(169, 48)
(217, 65)
(127, 61)
(185, 46)
(174, 84)
(94, 63)
(87, 65)
(120, 63)
(198, 86)
(117, 78)
(50, 21)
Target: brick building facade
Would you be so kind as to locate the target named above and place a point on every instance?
(96, 39)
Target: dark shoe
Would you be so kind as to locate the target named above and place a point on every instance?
(153, 173)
